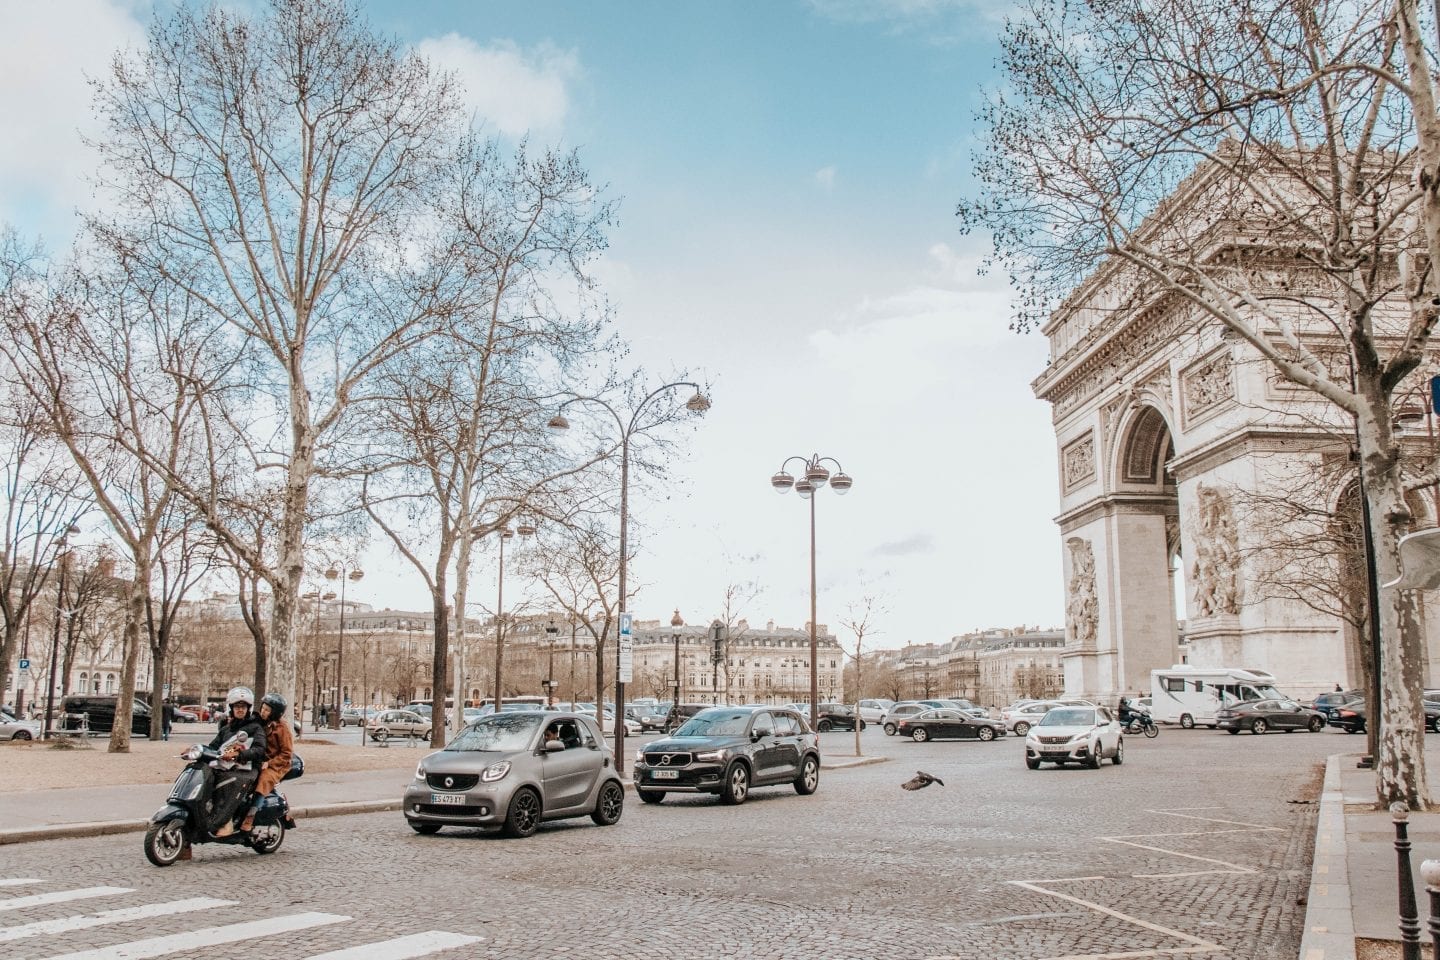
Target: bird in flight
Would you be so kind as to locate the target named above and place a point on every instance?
(920, 781)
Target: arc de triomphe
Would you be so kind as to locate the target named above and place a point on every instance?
(1169, 432)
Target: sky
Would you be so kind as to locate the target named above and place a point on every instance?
(787, 174)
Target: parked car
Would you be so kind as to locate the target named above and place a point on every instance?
(186, 715)
(1351, 716)
(1068, 734)
(1328, 703)
(650, 717)
(682, 712)
(514, 770)
(99, 713)
(901, 711)
(873, 711)
(1019, 720)
(12, 728)
(1259, 716)
(949, 724)
(729, 750)
(397, 723)
(837, 716)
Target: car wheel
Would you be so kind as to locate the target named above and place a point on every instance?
(809, 777)
(889, 729)
(737, 785)
(920, 735)
(425, 737)
(1233, 731)
(1119, 757)
(1316, 725)
(424, 829)
(824, 726)
(21, 735)
(609, 805)
(985, 733)
(1187, 722)
(1022, 728)
(1096, 755)
(1032, 763)
(651, 796)
(524, 814)
(862, 724)
(381, 735)
(1258, 726)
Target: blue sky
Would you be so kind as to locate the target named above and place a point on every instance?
(788, 174)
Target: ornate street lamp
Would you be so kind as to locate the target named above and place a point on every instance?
(697, 404)
(524, 530)
(813, 477)
(717, 630)
(62, 546)
(353, 574)
(550, 681)
(675, 624)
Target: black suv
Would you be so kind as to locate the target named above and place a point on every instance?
(837, 716)
(100, 713)
(728, 750)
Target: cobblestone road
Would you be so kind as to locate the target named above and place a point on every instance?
(1193, 846)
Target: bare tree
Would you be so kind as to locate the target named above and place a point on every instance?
(183, 558)
(1268, 167)
(738, 598)
(278, 170)
(859, 619)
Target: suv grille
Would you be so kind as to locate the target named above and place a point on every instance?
(1054, 739)
(675, 759)
(458, 781)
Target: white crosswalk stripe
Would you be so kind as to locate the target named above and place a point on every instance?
(60, 896)
(401, 948)
(18, 882)
(106, 917)
(200, 942)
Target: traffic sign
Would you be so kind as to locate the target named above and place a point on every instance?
(24, 663)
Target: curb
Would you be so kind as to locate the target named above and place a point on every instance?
(105, 828)
(851, 762)
(1329, 920)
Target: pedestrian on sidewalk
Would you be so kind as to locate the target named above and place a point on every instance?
(167, 719)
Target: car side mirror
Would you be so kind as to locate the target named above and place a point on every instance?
(760, 733)
(553, 746)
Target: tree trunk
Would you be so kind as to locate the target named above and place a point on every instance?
(280, 671)
(135, 595)
(439, 665)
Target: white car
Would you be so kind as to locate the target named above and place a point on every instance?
(1019, 719)
(1069, 734)
(632, 728)
(13, 729)
(873, 711)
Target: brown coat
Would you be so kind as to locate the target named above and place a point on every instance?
(279, 747)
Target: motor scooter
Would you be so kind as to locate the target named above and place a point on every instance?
(185, 818)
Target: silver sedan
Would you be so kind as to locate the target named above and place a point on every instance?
(13, 729)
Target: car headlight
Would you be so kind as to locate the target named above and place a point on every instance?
(496, 771)
(710, 756)
(420, 771)
(640, 755)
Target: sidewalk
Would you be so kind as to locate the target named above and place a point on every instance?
(126, 808)
(1354, 907)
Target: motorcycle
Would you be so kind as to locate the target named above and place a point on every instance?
(186, 815)
(1139, 722)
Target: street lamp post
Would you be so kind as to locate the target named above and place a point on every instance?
(698, 403)
(63, 543)
(525, 530)
(812, 479)
(716, 630)
(342, 573)
(675, 624)
(550, 681)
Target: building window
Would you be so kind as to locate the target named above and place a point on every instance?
(109, 683)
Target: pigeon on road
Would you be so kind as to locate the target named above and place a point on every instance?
(920, 781)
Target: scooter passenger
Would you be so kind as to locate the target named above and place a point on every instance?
(232, 785)
(279, 750)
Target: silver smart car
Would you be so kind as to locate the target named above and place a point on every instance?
(514, 770)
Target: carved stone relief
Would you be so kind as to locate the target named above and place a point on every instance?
(1207, 386)
(1082, 608)
(1144, 337)
(1214, 573)
(1077, 461)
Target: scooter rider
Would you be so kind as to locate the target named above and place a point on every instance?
(279, 749)
(233, 784)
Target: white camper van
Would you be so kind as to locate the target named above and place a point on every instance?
(1190, 695)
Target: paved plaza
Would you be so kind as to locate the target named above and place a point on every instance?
(1198, 845)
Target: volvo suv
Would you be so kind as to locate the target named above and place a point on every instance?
(727, 751)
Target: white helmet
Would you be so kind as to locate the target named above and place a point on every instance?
(240, 695)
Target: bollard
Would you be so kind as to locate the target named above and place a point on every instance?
(1409, 913)
(1430, 873)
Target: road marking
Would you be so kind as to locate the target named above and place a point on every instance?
(1231, 867)
(401, 948)
(19, 882)
(125, 915)
(1196, 945)
(60, 896)
(200, 942)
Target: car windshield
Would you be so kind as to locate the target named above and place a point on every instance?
(715, 723)
(1069, 717)
(505, 733)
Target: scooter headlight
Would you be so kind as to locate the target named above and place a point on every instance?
(192, 752)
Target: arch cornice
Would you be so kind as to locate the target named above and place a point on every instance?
(1118, 504)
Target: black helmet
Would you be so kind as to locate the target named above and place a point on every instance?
(276, 703)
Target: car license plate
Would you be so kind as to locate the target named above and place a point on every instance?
(665, 774)
(455, 799)
(1054, 753)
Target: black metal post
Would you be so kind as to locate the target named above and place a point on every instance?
(1409, 913)
(1430, 873)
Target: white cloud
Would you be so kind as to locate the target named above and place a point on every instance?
(825, 178)
(46, 52)
(514, 90)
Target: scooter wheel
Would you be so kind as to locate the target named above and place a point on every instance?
(267, 838)
(164, 842)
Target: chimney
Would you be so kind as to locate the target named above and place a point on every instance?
(769, 626)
